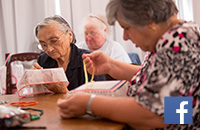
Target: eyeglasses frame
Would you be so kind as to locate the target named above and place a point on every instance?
(52, 44)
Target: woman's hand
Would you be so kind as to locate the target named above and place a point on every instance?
(36, 66)
(99, 60)
(103, 64)
(57, 87)
(73, 105)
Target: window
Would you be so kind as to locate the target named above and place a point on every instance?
(185, 8)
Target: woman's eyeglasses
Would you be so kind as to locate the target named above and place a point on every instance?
(52, 42)
(92, 34)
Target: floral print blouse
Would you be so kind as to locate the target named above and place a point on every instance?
(173, 69)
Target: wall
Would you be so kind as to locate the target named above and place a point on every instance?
(19, 17)
(196, 11)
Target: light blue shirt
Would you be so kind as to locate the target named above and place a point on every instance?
(112, 49)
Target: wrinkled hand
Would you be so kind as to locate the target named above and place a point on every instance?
(99, 60)
(73, 105)
(57, 87)
(36, 66)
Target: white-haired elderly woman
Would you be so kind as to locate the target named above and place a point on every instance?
(96, 33)
(170, 70)
(58, 42)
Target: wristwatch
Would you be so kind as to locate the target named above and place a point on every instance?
(89, 111)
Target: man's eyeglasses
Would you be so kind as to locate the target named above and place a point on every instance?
(52, 42)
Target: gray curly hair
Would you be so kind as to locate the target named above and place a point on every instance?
(139, 13)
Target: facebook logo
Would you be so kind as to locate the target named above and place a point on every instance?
(178, 110)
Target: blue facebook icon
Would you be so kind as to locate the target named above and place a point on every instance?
(178, 110)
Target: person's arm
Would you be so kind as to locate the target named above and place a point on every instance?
(120, 109)
(103, 64)
(126, 110)
(122, 71)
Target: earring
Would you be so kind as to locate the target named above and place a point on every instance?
(153, 28)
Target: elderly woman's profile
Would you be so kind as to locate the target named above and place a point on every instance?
(171, 68)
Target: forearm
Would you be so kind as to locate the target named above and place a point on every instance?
(126, 110)
(122, 71)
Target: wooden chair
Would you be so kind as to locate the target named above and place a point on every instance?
(29, 56)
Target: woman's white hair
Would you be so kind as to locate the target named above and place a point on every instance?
(101, 19)
(62, 24)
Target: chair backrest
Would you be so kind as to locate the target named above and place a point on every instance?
(29, 56)
(134, 58)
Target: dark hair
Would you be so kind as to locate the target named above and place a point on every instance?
(139, 13)
(62, 23)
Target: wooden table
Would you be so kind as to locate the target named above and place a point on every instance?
(52, 121)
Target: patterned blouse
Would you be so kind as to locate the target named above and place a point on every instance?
(173, 69)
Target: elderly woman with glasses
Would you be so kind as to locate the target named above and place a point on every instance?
(166, 88)
(96, 33)
(57, 40)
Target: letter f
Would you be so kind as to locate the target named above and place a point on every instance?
(182, 111)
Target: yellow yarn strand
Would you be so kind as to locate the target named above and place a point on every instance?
(86, 76)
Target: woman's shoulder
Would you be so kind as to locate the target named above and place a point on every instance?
(84, 51)
(43, 57)
(180, 38)
(76, 54)
(45, 61)
(80, 50)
